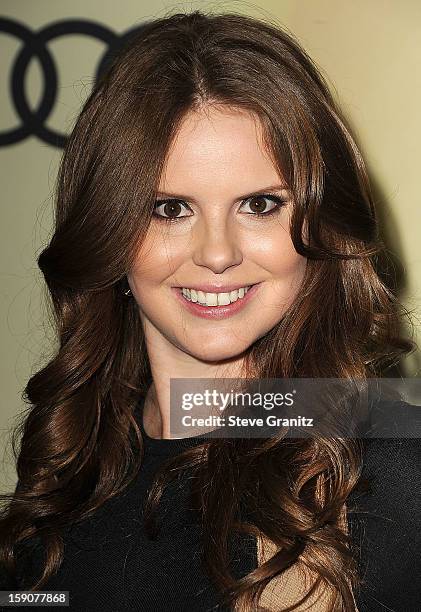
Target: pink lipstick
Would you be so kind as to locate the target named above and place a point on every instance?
(216, 312)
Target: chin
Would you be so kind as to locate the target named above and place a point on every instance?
(214, 351)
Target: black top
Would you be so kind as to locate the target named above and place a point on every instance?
(110, 564)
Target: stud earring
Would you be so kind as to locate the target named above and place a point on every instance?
(127, 292)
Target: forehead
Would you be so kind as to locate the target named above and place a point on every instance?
(220, 145)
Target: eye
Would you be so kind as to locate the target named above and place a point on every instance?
(170, 208)
(258, 206)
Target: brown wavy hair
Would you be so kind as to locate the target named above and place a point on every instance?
(80, 443)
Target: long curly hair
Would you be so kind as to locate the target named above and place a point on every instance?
(80, 443)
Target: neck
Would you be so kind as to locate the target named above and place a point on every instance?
(156, 411)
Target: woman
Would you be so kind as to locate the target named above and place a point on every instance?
(210, 159)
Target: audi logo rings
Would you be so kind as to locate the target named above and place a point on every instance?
(35, 45)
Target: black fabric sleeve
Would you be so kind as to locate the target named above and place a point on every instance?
(386, 521)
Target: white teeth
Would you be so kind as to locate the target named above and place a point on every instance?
(214, 299)
(211, 299)
(224, 299)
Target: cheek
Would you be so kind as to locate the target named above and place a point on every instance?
(279, 257)
(286, 269)
(292, 265)
(289, 275)
(157, 261)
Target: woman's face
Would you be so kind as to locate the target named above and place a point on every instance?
(214, 167)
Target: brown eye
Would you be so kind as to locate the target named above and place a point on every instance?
(258, 205)
(170, 210)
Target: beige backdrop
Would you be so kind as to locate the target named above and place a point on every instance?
(371, 55)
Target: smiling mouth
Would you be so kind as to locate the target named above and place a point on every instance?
(214, 300)
(218, 311)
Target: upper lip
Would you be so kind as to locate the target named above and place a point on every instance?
(216, 288)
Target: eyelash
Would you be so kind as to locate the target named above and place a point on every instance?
(270, 196)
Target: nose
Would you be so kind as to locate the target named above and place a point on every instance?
(215, 245)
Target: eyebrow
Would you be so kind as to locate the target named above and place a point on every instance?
(179, 196)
